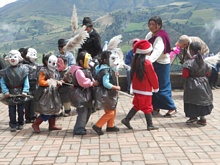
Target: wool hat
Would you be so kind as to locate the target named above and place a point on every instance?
(142, 47)
(184, 39)
(87, 22)
(62, 42)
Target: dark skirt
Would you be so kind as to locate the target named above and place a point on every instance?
(192, 110)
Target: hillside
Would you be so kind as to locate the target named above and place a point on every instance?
(40, 23)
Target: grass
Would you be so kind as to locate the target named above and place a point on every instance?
(134, 27)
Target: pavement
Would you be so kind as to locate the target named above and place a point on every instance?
(175, 143)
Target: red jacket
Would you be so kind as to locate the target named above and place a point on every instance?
(149, 82)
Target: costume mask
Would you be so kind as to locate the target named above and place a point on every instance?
(114, 60)
(88, 63)
(32, 55)
(14, 57)
(52, 63)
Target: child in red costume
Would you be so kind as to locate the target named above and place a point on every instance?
(144, 82)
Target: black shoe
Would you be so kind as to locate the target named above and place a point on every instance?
(28, 121)
(80, 133)
(191, 120)
(202, 122)
(126, 123)
(155, 112)
(13, 129)
(20, 127)
(149, 128)
(216, 87)
(112, 129)
(97, 130)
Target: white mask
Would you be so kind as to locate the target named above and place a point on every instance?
(52, 63)
(14, 57)
(114, 60)
(32, 55)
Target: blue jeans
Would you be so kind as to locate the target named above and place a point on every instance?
(82, 119)
(12, 115)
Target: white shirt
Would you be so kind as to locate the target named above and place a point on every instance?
(158, 49)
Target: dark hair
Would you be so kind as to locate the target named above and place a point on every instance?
(45, 59)
(23, 52)
(105, 55)
(157, 20)
(196, 48)
(80, 56)
(138, 66)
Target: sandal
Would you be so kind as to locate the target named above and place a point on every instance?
(168, 114)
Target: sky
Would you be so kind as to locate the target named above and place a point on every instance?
(5, 2)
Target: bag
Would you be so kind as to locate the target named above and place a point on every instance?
(81, 97)
(15, 100)
(105, 98)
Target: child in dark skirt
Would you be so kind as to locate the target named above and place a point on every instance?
(197, 92)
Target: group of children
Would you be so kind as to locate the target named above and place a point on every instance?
(85, 90)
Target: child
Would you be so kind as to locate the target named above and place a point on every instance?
(81, 94)
(64, 89)
(14, 81)
(144, 81)
(107, 79)
(197, 92)
(47, 98)
(30, 58)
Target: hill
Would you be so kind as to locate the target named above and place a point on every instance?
(40, 23)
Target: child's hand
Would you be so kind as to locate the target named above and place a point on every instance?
(7, 95)
(95, 83)
(118, 88)
(116, 74)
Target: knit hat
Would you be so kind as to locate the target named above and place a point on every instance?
(184, 39)
(142, 47)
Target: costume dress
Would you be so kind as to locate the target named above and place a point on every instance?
(143, 89)
(47, 99)
(197, 92)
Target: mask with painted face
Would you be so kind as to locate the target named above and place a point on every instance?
(88, 63)
(14, 57)
(32, 55)
(114, 60)
(52, 63)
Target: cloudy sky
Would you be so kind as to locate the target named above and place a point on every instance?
(5, 2)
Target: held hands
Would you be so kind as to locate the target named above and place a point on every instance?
(95, 83)
(7, 95)
(118, 88)
(52, 82)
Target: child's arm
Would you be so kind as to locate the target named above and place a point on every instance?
(82, 80)
(5, 89)
(42, 80)
(107, 84)
(26, 86)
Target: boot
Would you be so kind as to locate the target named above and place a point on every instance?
(36, 124)
(52, 125)
(126, 120)
(150, 125)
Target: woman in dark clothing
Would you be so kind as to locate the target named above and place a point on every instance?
(197, 92)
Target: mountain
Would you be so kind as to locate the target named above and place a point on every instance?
(40, 23)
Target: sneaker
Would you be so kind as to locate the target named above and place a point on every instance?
(202, 122)
(191, 120)
(97, 130)
(20, 127)
(13, 129)
(112, 129)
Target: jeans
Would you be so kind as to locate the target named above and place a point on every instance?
(128, 79)
(12, 115)
(82, 119)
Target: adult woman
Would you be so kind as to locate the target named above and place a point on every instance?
(161, 62)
